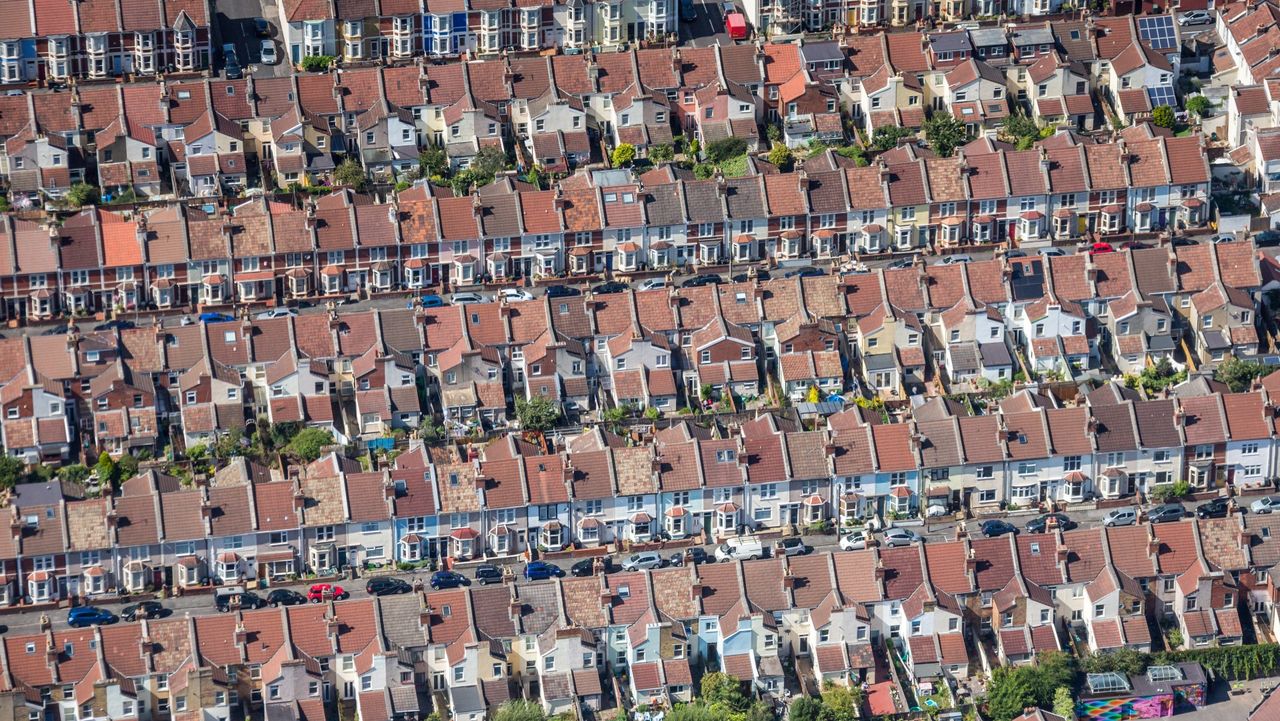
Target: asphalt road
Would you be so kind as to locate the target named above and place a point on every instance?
(707, 28)
(234, 24)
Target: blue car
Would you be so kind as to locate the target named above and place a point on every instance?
(89, 616)
(539, 570)
(215, 317)
(448, 579)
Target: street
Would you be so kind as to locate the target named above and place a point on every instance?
(22, 622)
(233, 24)
(707, 28)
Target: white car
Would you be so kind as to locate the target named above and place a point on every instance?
(1052, 252)
(652, 284)
(901, 537)
(642, 561)
(936, 510)
(1195, 17)
(276, 313)
(513, 295)
(268, 53)
(458, 298)
(1266, 504)
(855, 541)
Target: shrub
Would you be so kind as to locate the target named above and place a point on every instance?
(725, 148)
(82, 194)
(316, 63)
(1163, 116)
(623, 155)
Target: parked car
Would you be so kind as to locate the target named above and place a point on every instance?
(1217, 508)
(562, 291)
(612, 286)
(791, 547)
(855, 541)
(761, 274)
(467, 297)
(515, 295)
(1052, 252)
(652, 284)
(1266, 504)
(901, 537)
(285, 597)
(1267, 238)
(1222, 238)
(268, 52)
(1100, 248)
(141, 610)
(688, 11)
(539, 570)
(1041, 524)
(117, 323)
(995, 527)
(693, 554)
(386, 586)
(82, 616)
(698, 281)
(215, 318)
(487, 573)
(276, 313)
(958, 259)
(587, 566)
(1120, 517)
(231, 63)
(1195, 17)
(807, 271)
(1166, 513)
(262, 27)
(642, 561)
(227, 598)
(430, 300)
(318, 591)
(447, 579)
(901, 263)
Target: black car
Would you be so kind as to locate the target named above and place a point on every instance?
(448, 579)
(761, 274)
(995, 527)
(587, 566)
(386, 586)
(562, 291)
(487, 573)
(1041, 524)
(806, 272)
(118, 323)
(144, 609)
(56, 330)
(244, 600)
(612, 286)
(1167, 513)
(262, 27)
(285, 597)
(698, 281)
(1267, 238)
(1217, 508)
(901, 263)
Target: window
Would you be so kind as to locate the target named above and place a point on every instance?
(1071, 463)
(1026, 468)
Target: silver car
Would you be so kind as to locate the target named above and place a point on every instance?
(901, 537)
(1120, 517)
(642, 561)
(1266, 504)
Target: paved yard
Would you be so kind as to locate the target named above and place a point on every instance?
(1225, 707)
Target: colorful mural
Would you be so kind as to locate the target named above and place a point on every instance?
(1121, 709)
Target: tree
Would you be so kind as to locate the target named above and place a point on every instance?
(886, 137)
(944, 134)
(11, 471)
(664, 153)
(1063, 704)
(1008, 693)
(316, 63)
(82, 194)
(433, 161)
(692, 712)
(773, 133)
(623, 155)
(806, 708)
(490, 161)
(1239, 374)
(854, 153)
(1199, 105)
(350, 173)
(537, 413)
(106, 469)
(719, 688)
(74, 473)
(126, 467)
(461, 183)
(519, 710)
(1162, 116)
(534, 177)
(781, 156)
(760, 711)
(723, 149)
(842, 702)
(309, 444)
(1123, 660)
(702, 171)
(1020, 130)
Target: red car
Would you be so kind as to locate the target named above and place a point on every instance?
(1098, 248)
(317, 592)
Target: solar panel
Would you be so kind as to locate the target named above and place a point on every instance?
(1162, 95)
(1158, 32)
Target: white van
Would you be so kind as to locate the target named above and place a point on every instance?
(740, 548)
